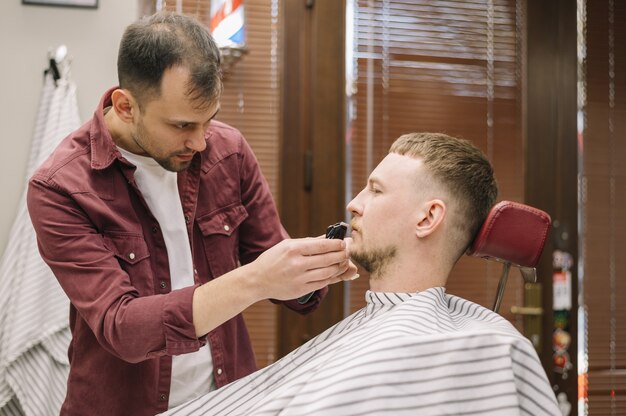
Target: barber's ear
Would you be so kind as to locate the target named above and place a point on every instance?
(124, 105)
(431, 216)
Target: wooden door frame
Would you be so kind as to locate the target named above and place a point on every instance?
(552, 157)
(312, 185)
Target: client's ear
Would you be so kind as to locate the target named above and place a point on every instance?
(431, 216)
(123, 104)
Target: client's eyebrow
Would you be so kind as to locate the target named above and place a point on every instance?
(373, 180)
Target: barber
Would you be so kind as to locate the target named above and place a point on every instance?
(145, 214)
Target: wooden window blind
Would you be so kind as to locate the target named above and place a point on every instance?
(602, 204)
(251, 103)
(445, 66)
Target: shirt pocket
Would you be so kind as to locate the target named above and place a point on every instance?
(131, 252)
(220, 235)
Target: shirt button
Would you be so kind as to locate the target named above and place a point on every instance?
(155, 229)
(226, 228)
(219, 371)
(162, 397)
(187, 219)
(195, 271)
(131, 256)
(163, 284)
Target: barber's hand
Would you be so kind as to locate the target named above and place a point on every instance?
(289, 270)
(351, 272)
(295, 267)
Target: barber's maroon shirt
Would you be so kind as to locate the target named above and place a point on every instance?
(107, 251)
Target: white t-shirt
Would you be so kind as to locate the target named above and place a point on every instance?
(192, 374)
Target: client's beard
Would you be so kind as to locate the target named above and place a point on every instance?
(374, 261)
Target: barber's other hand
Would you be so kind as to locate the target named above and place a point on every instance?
(352, 272)
(295, 267)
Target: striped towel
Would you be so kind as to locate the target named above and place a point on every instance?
(34, 331)
(403, 354)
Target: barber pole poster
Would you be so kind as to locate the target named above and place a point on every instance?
(227, 22)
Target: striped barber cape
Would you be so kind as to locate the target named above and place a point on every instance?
(420, 354)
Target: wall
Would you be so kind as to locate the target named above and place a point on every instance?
(26, 34)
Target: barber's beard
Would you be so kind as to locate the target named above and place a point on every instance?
(140, 137)
(375, 261)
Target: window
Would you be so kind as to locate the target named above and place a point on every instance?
(602, 129)
(451, 67)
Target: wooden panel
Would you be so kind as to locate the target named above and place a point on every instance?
(313, 128)
(552, 164)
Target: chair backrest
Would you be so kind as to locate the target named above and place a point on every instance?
(514, 234)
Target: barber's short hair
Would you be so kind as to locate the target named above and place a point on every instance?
(462, 169)
(164, 40)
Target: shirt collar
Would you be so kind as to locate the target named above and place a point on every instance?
(103, 149)
(386, 298)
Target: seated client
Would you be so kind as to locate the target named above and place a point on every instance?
(413, 349)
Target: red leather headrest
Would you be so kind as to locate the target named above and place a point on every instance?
(512, 232)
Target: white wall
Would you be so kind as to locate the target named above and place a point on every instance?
(26, 35)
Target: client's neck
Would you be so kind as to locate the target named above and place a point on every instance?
(414, 275)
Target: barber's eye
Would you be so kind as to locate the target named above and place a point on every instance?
(374, 190)
(182, 125)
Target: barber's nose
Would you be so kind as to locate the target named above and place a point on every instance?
(197, 141)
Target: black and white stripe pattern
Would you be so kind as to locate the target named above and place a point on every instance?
(34, 331)
(427, 353)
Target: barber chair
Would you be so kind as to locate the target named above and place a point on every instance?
(513, 234)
